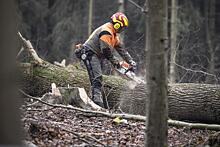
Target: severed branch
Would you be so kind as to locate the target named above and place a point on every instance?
(19, 53)
(28, 46)
(129, 116)
(197, 71)
(194, 125)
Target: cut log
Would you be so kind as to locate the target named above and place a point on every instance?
(188, 101)
(195, 102)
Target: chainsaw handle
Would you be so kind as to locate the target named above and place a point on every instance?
(116, 65)
(126, 66)
(132, 68)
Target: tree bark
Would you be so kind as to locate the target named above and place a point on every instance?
(10, 132)
(156, 111)
(195, 102)
(173, 38)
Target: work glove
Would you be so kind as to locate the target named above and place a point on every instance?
(116, 64)
(78, 51)
(133, 65)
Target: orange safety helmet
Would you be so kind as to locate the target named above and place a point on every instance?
(119, 21)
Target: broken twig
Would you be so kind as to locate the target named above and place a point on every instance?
(28, 46)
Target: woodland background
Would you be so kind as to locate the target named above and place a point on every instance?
(53, 26)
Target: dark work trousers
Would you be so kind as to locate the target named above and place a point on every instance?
(93, 66)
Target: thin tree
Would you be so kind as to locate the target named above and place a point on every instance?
(173, 35)
(90, 17)
(210, 33)
(156, 132)
(121, 9)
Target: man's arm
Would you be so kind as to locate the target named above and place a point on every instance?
(106, 47)
(124, 53)
(126, 56)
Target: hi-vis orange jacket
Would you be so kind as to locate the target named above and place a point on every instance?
(105, 37)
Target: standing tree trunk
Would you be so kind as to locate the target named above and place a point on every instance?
(10, 133)
(90, 17)
(210, 31)
(173, 35)
(121, 9)
(156, 132)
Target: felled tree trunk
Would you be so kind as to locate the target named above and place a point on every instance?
(194, 102)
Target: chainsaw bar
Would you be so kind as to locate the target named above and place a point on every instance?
(125, 70)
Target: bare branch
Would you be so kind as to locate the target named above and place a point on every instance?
(197, 71)
(138, 6)
(146, 6)
(19, 53)
(194, 125)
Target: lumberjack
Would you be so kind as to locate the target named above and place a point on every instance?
(101, 44)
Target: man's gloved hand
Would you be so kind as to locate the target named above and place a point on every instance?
(133, 65)
(116, 64)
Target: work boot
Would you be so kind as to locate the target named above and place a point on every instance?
(97, 97)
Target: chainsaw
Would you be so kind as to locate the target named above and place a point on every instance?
(126, 69)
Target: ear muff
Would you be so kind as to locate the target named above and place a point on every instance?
(117, 26)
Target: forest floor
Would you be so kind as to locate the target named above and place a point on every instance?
(45, 126)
